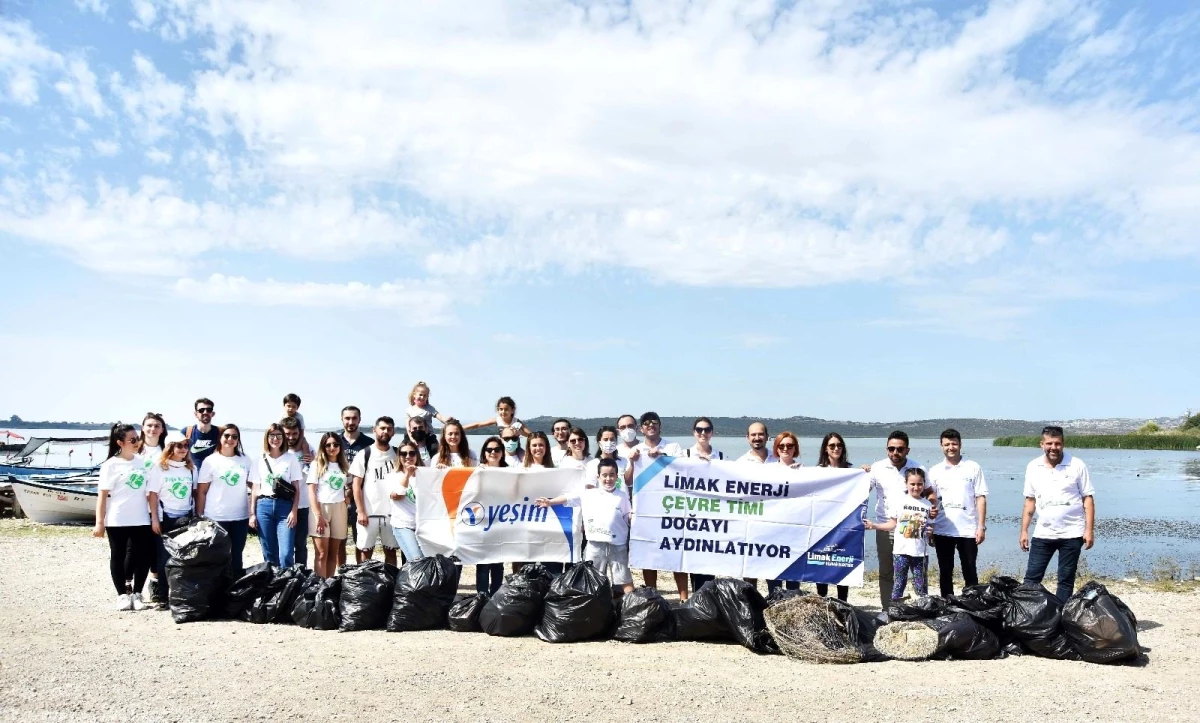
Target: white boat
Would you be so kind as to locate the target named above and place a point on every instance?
(54, 503)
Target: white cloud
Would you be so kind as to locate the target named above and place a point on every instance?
(158, 156)
(78, 87)
(106, 148)
(153, 101)
(23, 60)
(432, 301)
(100, 7)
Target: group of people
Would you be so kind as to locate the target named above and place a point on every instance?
(355, 486)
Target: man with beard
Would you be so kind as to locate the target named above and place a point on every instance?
(293, 434)
(561, 429)
(758, 453)
(353, 442)
(1059, 488)
(368, 476)
(890, 488)
(419, 436)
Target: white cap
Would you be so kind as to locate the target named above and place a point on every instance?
(173, 436)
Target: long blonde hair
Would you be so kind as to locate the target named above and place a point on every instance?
(322, 462)
(169, 448)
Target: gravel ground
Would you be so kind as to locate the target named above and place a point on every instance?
(66, 655)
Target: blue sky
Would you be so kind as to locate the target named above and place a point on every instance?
(852, 210)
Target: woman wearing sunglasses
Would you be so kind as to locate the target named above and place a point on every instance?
(786, 450)
(702, 430)
(222, 492)
(274, 504)
(150, 449)
(833, 454)
(328, 520)
(123, 515)
(488, 578)
(404, 501)
(171, 483)
(577, 450)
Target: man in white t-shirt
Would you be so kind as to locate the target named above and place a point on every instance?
(962, 494)
(756, 437)
(888, 485)
(561, 430)
(627, 439)
(368, 475)
(1059, 488)
(652, 446)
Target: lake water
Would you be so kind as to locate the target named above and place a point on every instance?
(1147, 502)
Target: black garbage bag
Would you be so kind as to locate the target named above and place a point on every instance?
(275, 604)
(978, 602)
(1033, 616)
(199, 541)
(699, 618)
(926, 607)
(195, 590)
(326, 611)
(741, 607)
(780, 594)
(961, 637)
(516, 608)
(302, 607)
(578, 606)
(366, 597)
(1099, 627)
(240, 596)
(464, 614)
(641, 615)
(425, 590)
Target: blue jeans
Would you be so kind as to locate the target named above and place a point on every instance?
(300, 532)
(277, 539)
(1041, 550)
(489, 578)
(407, 539)
(237, 531)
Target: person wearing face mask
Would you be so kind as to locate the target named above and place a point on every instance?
(627, 436)
(419, 436)
(606, 448)
(514, 456)
(561, 429)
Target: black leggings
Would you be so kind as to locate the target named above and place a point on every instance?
(130, 555)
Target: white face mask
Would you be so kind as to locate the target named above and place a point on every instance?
(629, 435)
(608, 446)
(510, 446)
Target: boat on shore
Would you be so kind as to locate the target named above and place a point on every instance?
(56, 502)
(21, 464)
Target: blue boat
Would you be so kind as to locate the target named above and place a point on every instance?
(20, 465)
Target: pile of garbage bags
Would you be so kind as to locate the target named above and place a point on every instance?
(993, 620)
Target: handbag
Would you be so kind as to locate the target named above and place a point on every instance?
(284, 491)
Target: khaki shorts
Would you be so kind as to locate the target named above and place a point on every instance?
(335, 519)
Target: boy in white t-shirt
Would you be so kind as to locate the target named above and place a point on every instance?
(606, 514)
(909, 517)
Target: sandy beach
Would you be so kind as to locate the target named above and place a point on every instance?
(66, 655)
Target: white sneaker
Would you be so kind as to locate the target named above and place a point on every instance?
(124, 602)
(136, 602)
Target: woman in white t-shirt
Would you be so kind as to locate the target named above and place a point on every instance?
(154, 429)
(274, 502)
(222, 492)
(169, 486)
(453, 449)
(577, 450)
(404, 501)
(537, 454)
(786, 450)
(606, 448)
(123, 514)
(488, 578)
(328, 520)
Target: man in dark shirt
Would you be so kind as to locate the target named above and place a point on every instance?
(353, 442)
(202, 437)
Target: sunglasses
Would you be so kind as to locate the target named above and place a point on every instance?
(204, 410)
(896, 449)
(331, 444)
(407, 453)
(835, 445)
(229, 436)
(702, 430)
(492, 450)
(787, 445)
(574, 441)
(274, 435)
(650, 423)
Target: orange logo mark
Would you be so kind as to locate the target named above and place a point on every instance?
(453, 482)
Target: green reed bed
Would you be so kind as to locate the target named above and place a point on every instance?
(1182, 442)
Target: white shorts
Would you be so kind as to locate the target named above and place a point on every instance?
(611, 560)
(378, 530)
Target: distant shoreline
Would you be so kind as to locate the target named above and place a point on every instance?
(1161, 442)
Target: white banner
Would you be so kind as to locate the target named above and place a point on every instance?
(485, 514)
(749, 520)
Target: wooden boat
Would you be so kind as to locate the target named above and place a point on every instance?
(21, 465)
(54, 502)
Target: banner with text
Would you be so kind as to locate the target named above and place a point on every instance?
(485, 515)
(749, 520)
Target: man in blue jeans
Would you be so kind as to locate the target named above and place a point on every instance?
(1058, 487)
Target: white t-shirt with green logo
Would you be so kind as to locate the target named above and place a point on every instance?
(331, 486)
(228, 480)
(269, 470)
(173, 486)
(125, 482)
(404, 510)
